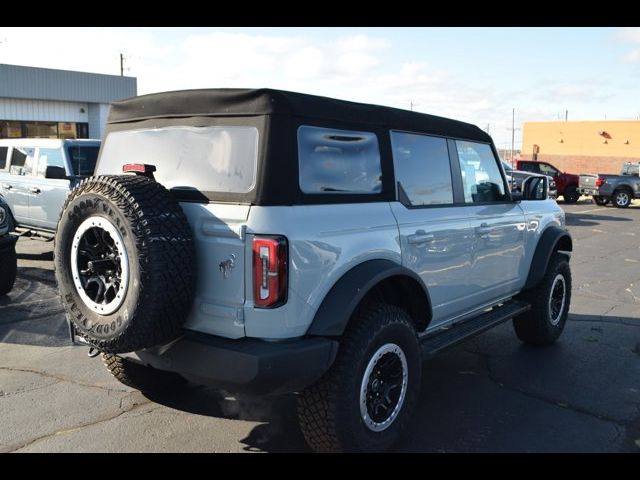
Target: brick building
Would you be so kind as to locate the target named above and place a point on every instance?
(599, 146)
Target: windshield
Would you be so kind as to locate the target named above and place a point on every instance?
(83, 159)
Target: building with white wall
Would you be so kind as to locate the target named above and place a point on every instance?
(46, 103)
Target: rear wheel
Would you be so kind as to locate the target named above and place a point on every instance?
(621, 198)
(550, 301)
(571, 194)
(364, 402)
(8, 270)
(602, 201)
(141, 377)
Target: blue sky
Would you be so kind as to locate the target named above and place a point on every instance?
(472, 74)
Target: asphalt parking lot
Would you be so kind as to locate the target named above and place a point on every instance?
(490, 394)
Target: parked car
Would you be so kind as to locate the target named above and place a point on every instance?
(269, 242)
(36, 175)
(8, 258)
(566, 183)
(617, 189)
(516, 177)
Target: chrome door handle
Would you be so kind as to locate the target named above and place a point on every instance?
(483, 230)
(7, 186)
(420, 237)
(34, 189)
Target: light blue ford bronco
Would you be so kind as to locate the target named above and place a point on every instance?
(268, 242)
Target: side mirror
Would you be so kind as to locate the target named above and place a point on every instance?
(55, 172)
(535, 188)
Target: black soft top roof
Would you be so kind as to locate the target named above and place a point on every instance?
(247, 102)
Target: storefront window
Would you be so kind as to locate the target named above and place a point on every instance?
(15, 129)
(42, 130)
(10, 129)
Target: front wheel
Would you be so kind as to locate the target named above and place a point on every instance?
(621, 199)
(550, 301)
(602, 201)
(364, 402)
(8, 270)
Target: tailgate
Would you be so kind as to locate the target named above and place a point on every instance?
(587, 180)
(219, 235)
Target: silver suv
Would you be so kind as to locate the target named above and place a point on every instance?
(37, 174)
(268, 242)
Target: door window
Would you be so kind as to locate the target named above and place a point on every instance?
(50, 157)
(481, 177)
(22, 159)
(422, 169)
(548, 170)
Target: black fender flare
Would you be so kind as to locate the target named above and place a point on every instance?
(552, 239)
(339, 304)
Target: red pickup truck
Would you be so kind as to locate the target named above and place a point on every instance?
(566, 183)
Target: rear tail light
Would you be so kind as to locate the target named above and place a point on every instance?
(270, 259)
(599, 181)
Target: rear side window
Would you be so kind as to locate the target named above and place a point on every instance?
(481, 178)
(3, 157)
(422, 169)
(528, 167)
(209, 159)
(22, 159)
(338, 161)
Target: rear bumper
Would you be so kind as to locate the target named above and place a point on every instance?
(588, 191)
(7, 242)
(246, 365)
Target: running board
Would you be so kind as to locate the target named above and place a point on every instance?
(33, 234)
(456, 333)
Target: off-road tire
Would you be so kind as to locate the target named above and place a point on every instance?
(329, 411)
(158, 242)
(537, 326)
(571, 194)
(8, 270)
(621, 198)
(141, 377)
(602, 201)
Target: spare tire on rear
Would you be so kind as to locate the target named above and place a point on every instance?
(124, 263)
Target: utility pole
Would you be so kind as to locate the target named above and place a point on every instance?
(411, 105)
(566, 115)
(513, 133)
(121, 64)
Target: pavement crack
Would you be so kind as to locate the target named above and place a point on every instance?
(122, 410)
(61, 378)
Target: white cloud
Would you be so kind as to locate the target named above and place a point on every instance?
(632, 56)
(629, 34)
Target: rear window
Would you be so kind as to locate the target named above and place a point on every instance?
(83, 159)
(338, 161)
(209, 159)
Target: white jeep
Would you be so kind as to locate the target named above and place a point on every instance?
(269, 242)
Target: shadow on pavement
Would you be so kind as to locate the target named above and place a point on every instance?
(587, 220)
(44, 256)
(278, 431)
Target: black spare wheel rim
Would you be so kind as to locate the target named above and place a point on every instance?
(100, 265)
(124, 263)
